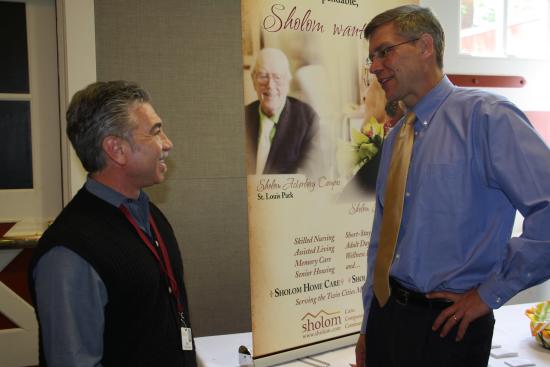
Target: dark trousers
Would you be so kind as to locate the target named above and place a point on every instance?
(400, 335)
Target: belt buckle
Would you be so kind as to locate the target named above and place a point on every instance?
(401, 296)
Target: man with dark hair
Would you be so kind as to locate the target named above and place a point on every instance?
(107, 275)
(452, 174)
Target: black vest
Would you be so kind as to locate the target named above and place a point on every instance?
(141, 325)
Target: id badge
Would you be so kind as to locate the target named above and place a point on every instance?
(186, 339)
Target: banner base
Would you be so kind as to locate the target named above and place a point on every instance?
(306, 351)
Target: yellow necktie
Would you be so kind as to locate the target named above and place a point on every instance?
(393, 208)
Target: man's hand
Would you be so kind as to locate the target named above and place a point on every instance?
(360, 353)
(466, 308)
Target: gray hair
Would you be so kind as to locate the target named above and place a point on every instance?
(101, 109)
(411, 22)
(273, 55)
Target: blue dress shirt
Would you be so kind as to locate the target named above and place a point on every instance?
(71, 295)
(476, 159)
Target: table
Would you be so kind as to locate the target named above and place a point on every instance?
(511, 332)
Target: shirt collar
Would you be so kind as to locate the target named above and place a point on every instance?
(275, 117)
(110, 195)
(139, 208)
(429, 104)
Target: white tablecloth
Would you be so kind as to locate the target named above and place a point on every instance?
(511, 332)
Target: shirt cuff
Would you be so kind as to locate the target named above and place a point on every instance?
(495, 292)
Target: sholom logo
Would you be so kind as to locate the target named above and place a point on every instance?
(321, 321)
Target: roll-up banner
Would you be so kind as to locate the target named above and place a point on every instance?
(314, 124)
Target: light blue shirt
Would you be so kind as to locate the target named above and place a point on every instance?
(476, 159)
(71, 296)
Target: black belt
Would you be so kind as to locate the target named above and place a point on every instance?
(406, 297)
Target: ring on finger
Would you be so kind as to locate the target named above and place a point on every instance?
(454, 318)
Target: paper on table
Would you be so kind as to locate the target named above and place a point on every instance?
(503, 353)
(519, 362)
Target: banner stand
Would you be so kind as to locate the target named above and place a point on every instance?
(308, 351)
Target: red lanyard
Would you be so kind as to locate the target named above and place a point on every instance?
(165, 264)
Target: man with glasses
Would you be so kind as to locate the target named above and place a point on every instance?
(452, 174)
(282, 132)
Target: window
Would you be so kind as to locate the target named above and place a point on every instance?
(30, 150)
(15, 116)
(505, 28)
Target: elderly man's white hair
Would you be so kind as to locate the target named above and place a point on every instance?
(270, 56)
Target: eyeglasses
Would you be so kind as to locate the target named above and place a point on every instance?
(263, 78)
(381, 54)
(366, 76)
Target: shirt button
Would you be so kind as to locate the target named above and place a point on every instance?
(425, 123)
(407, 194)
(397, 256)
(499, 299)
